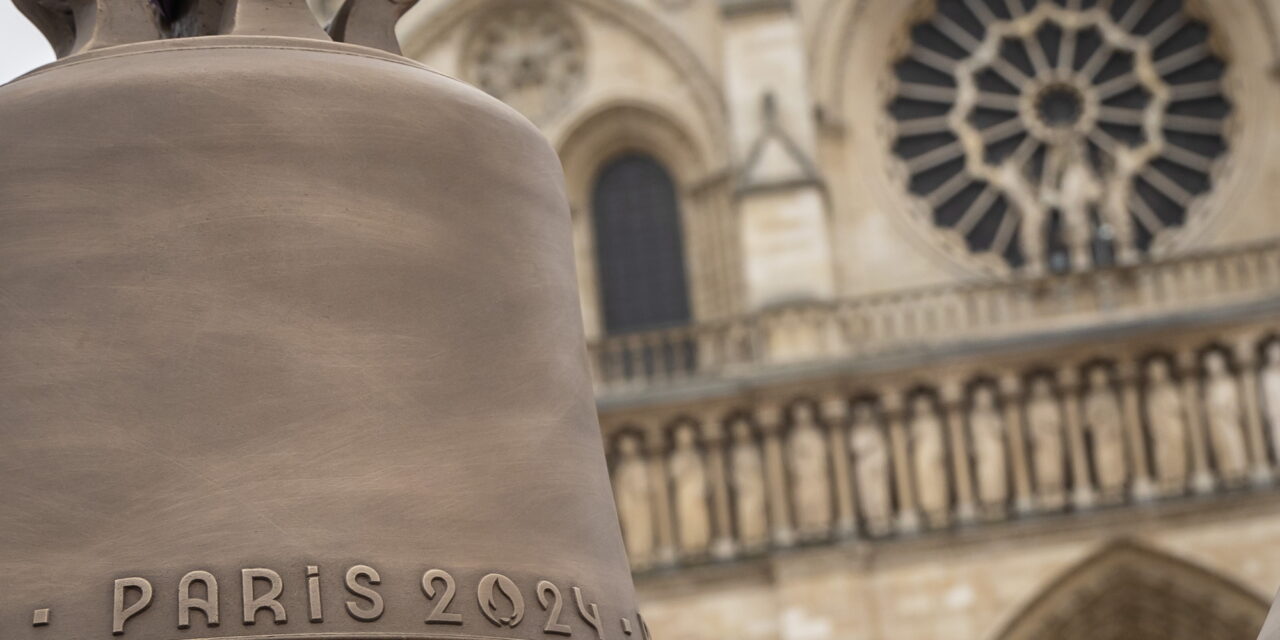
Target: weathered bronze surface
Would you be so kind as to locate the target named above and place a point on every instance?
(290, 348)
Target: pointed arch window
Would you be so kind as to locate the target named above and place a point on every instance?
(639, 246)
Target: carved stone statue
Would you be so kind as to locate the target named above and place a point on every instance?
(1222, 408)
(1069, 186)
(1078, 191)
(1270, 388)
(746, 469)
(1168, 424)
(810, 477)
(1044, 420)
(1105, 422)
(929, 459)
(632, 492)
(689, 477)
(871, 469)
(987, 432)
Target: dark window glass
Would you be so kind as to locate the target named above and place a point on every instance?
(639, 248)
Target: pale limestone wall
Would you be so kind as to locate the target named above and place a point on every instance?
(828, 62)
(953, 586)
(788, 255)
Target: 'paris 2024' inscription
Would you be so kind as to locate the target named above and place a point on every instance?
(556, 610)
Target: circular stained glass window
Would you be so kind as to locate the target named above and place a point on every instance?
(1059, 134)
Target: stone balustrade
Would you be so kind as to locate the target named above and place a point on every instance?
(909, 449)
(925, 319)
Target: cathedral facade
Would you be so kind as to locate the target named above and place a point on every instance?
(920, 318)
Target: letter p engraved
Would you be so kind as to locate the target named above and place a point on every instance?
(268, 600)
(119, 612)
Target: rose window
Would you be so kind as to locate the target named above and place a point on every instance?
(529, 55)
(1059, 134)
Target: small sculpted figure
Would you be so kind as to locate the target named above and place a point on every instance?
(747, 479)
(635, 505)
(1044, 418)
(987, 430)
(1270, 383)
(871, 469)
(1168, 425)
(929, 457)
(810, 477)
(1222, 407)
(689, 476)
(1105, 422)
(1078, 194)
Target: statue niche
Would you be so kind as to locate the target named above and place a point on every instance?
(746, 476)
(634, 496)
(929, 461)
(1222, 409)
(810, 475)
(1269, 381)
(689, 481)
(871, 467)
(1104, 421)
(987, 432)
(1167, 423)
(1044, 420)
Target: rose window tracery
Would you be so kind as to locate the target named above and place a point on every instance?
(1059, 134)
(528, 54)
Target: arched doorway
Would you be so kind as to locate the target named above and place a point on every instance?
(1131, 592)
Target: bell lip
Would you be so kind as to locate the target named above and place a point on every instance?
(214, 42)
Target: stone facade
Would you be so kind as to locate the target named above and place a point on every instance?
(982, 299)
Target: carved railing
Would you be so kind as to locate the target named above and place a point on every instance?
(927, 318)
(903, 451)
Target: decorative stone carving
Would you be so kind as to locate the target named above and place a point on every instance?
(987, 431)
(1222, 411)
(1044, 421)
(1062, 135)
(871, 467)
(1269, 381)
(1104, 421)
(734, 486)
(633, 494)
(529, 54)
(810, 475)
(689, 479)
(929, 460)
(1166, 419)
(749, 490)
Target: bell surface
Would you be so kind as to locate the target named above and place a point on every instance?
(290, 347)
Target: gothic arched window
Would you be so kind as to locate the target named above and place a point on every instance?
(639, 248)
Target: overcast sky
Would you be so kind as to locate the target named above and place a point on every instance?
(22, 48)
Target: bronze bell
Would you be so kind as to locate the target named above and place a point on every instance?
(289, 342)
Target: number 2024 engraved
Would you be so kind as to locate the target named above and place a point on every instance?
(502, 604)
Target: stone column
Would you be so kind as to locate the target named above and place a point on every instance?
(954, 418)
(1010, 390)
(713, 437)
(1142, 488)
(1247, 356)
(1202, 480)
(835, 412)
(1082, 494)
(908, 520)
(770, 417)
(656, 449)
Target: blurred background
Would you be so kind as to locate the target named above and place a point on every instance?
(915, 319)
